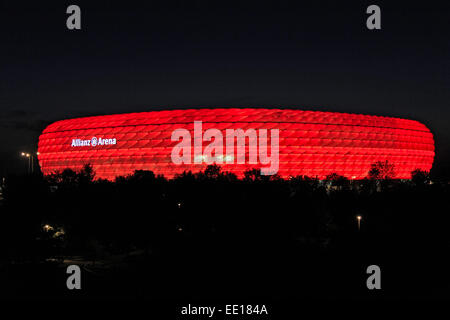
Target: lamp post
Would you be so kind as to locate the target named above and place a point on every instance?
(30, 157)
(358, 218)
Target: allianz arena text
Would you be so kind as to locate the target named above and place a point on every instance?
(283, 141)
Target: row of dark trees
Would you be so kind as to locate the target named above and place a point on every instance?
(210, 233)
(71, 212)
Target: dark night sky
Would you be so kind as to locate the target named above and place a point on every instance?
(130, 57)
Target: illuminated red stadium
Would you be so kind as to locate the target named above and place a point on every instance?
(311, 143)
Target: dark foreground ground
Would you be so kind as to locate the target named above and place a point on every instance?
(214, 273)
(213, 238)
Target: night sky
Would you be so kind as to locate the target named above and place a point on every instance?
(130, 57)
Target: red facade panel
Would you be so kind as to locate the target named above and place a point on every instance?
(310, 142)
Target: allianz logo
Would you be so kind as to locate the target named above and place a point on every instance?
(93, 142)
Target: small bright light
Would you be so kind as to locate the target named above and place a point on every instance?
(37, 153)
(23, 154)
(47, 227)
(59, 233)
(359, 217)
(179, 204)
(28, 154)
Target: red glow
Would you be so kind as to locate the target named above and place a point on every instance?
(311, 143)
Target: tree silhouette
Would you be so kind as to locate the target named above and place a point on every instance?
(336, 180)
(212, 171)
(382, 170)
(86, 174)
(420, 177)
(69, 177)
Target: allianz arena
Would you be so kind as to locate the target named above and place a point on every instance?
(311, 143)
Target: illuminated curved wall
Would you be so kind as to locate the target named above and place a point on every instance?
(311, 143)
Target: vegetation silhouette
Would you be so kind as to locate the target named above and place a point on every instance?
(200, 225)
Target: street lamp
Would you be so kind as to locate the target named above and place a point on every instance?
(358, 218)
(27, 155)
(30, 157)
